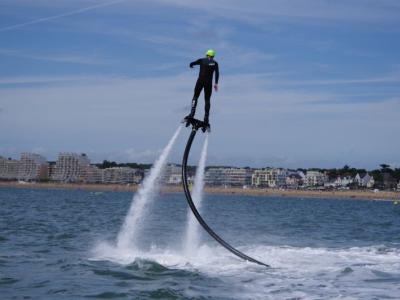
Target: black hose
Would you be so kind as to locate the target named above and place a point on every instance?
(196, 212)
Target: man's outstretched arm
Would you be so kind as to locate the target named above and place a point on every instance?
(196, 62)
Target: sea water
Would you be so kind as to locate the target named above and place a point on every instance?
(317, 248)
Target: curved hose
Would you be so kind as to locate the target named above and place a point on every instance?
(196, 212)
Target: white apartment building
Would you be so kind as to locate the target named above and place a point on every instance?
(214, 176)
(175, 179)
(238, 176)
(228, 176)
(93, 174)
(71, 167)
(32, 167)
(8, 168)
(269, 177)
(118, 175)
(315, 178)
(3, 167)
(172, 174)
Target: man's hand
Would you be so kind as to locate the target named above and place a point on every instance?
(191, 66)
(216, 87)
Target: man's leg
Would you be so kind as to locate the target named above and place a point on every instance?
(197, 91)
(207, 98)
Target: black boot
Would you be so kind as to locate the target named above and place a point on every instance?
(187, 119)
(206, 124)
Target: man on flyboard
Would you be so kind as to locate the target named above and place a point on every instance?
(207, 68)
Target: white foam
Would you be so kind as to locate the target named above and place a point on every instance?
(304, 272)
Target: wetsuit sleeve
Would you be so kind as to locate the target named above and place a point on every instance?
(216, 73)
(196, 62)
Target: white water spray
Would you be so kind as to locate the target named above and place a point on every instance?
(192, 238)
(143, 197)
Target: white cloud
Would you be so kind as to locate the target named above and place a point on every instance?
(143, 156)
(7, 152)
(59, 57)
(62, 15)
(39, 150)
(367, 80)
(43, 80)
(257, 11)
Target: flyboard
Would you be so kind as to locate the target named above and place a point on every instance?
(196, 125)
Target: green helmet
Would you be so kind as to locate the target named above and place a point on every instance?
(210, 52)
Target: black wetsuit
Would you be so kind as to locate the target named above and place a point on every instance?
(207, 67)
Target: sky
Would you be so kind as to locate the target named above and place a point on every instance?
(303, 83)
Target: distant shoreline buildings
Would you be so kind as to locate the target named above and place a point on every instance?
(76, 168)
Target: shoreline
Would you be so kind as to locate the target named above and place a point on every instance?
(349, 194)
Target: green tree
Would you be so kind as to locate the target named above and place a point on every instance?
(386, 168)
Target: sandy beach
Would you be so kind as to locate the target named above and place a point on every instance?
(350, 194)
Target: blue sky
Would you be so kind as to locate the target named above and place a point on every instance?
(303, 83)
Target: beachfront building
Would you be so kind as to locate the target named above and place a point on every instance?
(365, 180)
(3, 167)
(302, 175)
(118, 175)
(93, 174)
(343, 181)
(33, 167)
(294, 180)
(315, 178)
(172, 174)
(215, 176)
(174, 179)
(238, 176)
(8, 168)
(138, 176)
(340, 182)
(52, 170)
(269, 177)
(398, 185)
(71, 167)
(357, 179)
(228, 176)
(368, 181)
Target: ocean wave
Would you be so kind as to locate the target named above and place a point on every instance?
(306, 270)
